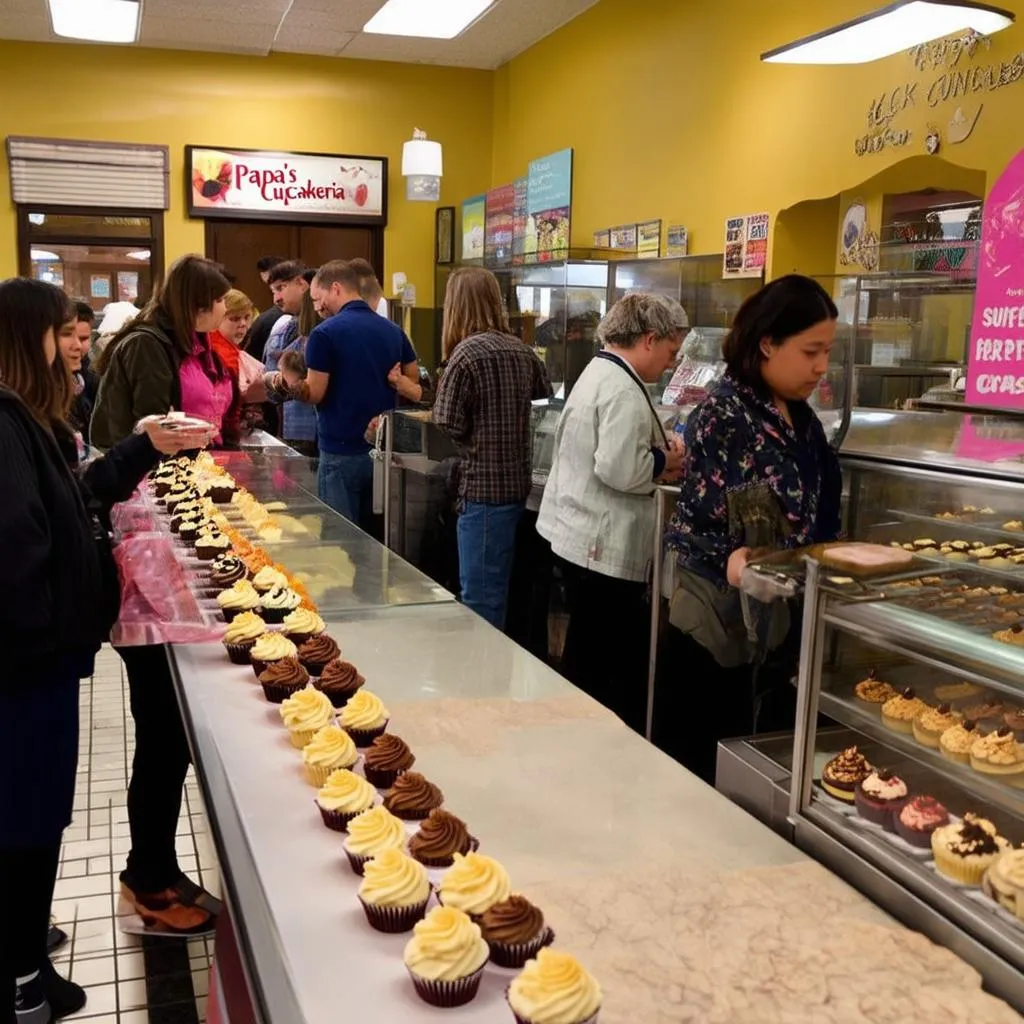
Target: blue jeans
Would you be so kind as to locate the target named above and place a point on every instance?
(487, 546)
(345, 482)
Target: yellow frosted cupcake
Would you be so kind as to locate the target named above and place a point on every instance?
(364, 718)
(554, 989)
(239, 597)
(270, 647)
(267, 578)
(331, 748)
(966, 850)
(474, 883)
(899, 712)
(370, 833)
(394, 892)
(445, 958)
(1004, 882)
(343, 796)
(304, 714)
(999, 754)
(301, 624)
(242, 633)
(956, 742)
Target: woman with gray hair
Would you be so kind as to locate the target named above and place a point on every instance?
(597, 513)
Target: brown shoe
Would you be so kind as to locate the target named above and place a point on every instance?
(186, 909)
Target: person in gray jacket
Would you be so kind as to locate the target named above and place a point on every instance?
(597, 511)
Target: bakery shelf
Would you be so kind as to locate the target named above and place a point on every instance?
(849, 714)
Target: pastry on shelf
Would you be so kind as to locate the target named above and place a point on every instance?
(955, 743)
(340, 680)
(242, 633)
(302, 624)
(329, 750)
(318, 651)
(873, 690)
(516, 932)
(957, 693)
(554, 988)
(879, 796)
(388, 757)
(1004, 882)
(1014, 526)
(239, 597)
(929, 726)
(987, 713)
(1014, 636)
(304, 714)
(343, 797)
(841, 776)
(268, 578)
(999, 754)
(282, 679)
(474, 883)
(413, 797)
(918, 818)
(394, 893)
(370, 832)
(226, 571)
(1014, 719)
(899, 712)
(964, 851)
(364, 717)
(277, 602)
(440, 837)
(445, 958)
(269, 648)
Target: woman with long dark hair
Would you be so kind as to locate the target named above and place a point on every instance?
(164, 360)
(59, 603)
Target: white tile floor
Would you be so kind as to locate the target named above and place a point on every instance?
(110, 964)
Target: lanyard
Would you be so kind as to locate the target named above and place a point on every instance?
(621, 364)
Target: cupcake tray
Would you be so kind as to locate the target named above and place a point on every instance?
(896, 841)
(983, 900)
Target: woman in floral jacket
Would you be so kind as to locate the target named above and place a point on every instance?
(759, 473)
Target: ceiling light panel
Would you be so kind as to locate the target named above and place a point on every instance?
(426, 19)
(890, 30)
(97, 21)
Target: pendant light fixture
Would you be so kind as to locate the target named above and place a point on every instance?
(422, 168)
(893, 29)
(97, 21)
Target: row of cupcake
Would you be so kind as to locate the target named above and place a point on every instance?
(969, 851)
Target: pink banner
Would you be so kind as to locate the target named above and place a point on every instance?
(995, 362)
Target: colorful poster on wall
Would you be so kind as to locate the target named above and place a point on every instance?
(519, 220)
(995, 361)
(499, 224)
(127, 285)
(624, 237)
(99, 286)
(648, 239)
(746, 246)
(474, 217)
(549, 206)
(603, 239)
(252, 183)
(678, 240)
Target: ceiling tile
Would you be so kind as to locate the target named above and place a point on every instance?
(317, 40)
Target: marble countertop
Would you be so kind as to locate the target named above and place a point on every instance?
(684, 907)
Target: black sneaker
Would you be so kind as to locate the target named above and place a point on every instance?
(64, 997)
(30, 1005)
(55, 938)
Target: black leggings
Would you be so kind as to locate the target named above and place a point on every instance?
(30, 874)
(161, 762)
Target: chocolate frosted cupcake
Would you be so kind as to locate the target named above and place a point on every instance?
(440, 837)
(211, 546)
(223, 491)
(227, 570)
(515, 931)
(317, 651)
(340, 680)
(388, 757)
(302, 624)
(841, 776)
(412, 797)
(281, 679)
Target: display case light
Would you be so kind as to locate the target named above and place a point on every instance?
(97, 21)
(427, 19)
(422, 167)
(892, 29)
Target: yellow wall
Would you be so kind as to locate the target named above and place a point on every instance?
(278, 102)
(672, 114)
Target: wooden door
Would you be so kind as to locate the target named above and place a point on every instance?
(318, 245)
(239, 244)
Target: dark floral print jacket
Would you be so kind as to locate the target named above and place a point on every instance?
(752, 480)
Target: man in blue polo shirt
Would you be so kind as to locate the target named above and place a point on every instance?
(358, 363)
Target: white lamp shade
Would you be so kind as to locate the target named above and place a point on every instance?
(422, 157)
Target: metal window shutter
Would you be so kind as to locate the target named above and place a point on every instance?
(65, 173)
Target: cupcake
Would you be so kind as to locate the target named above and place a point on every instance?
(188, 528)
(898, 713)
(956, 743)
(387, 758)
(474, 883)
(270, 647)
(987, 713)
(1004, 882)
(281, 679)
(1000, 755)
(301, 624)
(209, 546)
(554, 988)
(394, 892)
(304, 714)
(1013, 636)
(1014, 719)
(223, 490)
(515, 931)
(344, 796)
(879, 797)
(412, 797)
(445, 958)
(918, 818)
(316, 652)
(964, 851)
(929, 726)
(873, 690)
(226, 571)
(239, 597)
(841, 776)
(330, 749)
(371, 832)
(439, 838)
(340, 680)
(267, 578)
(277, 602)
(242, 633)
(364, 718)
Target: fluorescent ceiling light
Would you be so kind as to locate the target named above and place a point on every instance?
(890, 30)
(43, 256)
(98, 21)
(139, 254)
(426, 19)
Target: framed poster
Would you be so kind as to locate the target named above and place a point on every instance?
(746, 246)
(549, 206)
(499, 225)
(474, 217)
(444, 235)
(127, 285)
(519, 220)
(648, 239)
(99, 286)
(258, 184)
(678, 240)
(624, 237)
(603, 239)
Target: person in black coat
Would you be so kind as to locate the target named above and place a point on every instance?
(58, 603)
